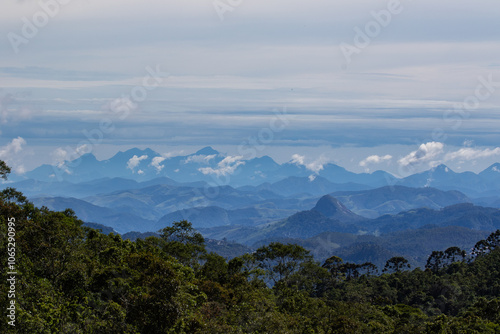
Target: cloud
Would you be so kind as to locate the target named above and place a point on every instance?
(134, 161)
(374, 159)
(469, 153)
(226, 167)
(316, 166)
(156, 163)
(14, 147)
(61, 155)
(298, 159)
(205, 159)
(425, 153)
(9, 153)
(83, 149)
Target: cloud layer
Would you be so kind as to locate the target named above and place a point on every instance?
(225, 167)
(426, 153)
(133, 162)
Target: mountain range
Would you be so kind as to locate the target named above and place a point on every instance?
(216, 169)
(252, 202)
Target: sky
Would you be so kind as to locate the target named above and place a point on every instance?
(365, 84)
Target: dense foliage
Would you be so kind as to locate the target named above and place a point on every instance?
(74, 279)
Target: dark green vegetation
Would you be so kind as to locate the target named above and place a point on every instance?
(74, 279)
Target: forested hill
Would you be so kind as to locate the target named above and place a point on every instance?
(74, 279)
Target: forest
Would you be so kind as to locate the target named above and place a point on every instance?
(74, 279)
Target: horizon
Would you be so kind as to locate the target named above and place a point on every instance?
(314, 167)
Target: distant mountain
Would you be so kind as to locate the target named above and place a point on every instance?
(287, 179)
(305, 224)
(414, 245)
(120, 221)
(465, 215)
(212, 216)
(329, 215)
(302, 224)
(104, 229)
(394, 199)
(339, 174)
(332, 208)
(309, 186)
(206, 165)
(442, 177)
(35, 188)
(156, 201)
(491, 177)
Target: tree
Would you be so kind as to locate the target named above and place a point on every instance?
(280, 260)
(4, 170)
(396, 264)
(333, 263)
(214, 269)
(183, 242)
(368, 269)
(350, 270)
(453, 253)
(435, 261)
(493, 240)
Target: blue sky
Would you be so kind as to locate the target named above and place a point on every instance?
(332, 81)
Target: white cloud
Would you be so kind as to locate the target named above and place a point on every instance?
(9, 153)
(316, 166)
(495, 169)
(140, 172)
(298, 159)
(60, 155)
(200, 158)
(375, 159)
(14, 147)
(425, 153)
(469, 153)
(156, 163)
(134, 161)
(169, 155)
(83, 149)
(226, 167)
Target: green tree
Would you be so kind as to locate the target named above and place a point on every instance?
(396, 264)
(183, 243)
(435, 261)
(452, 254)
(4, 170)
(333, 264)
(280, 260)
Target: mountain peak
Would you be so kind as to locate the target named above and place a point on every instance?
(136, 151)
(206, 151)
(330, 206)
(442, 168)
(495, 168)
(88, 157)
